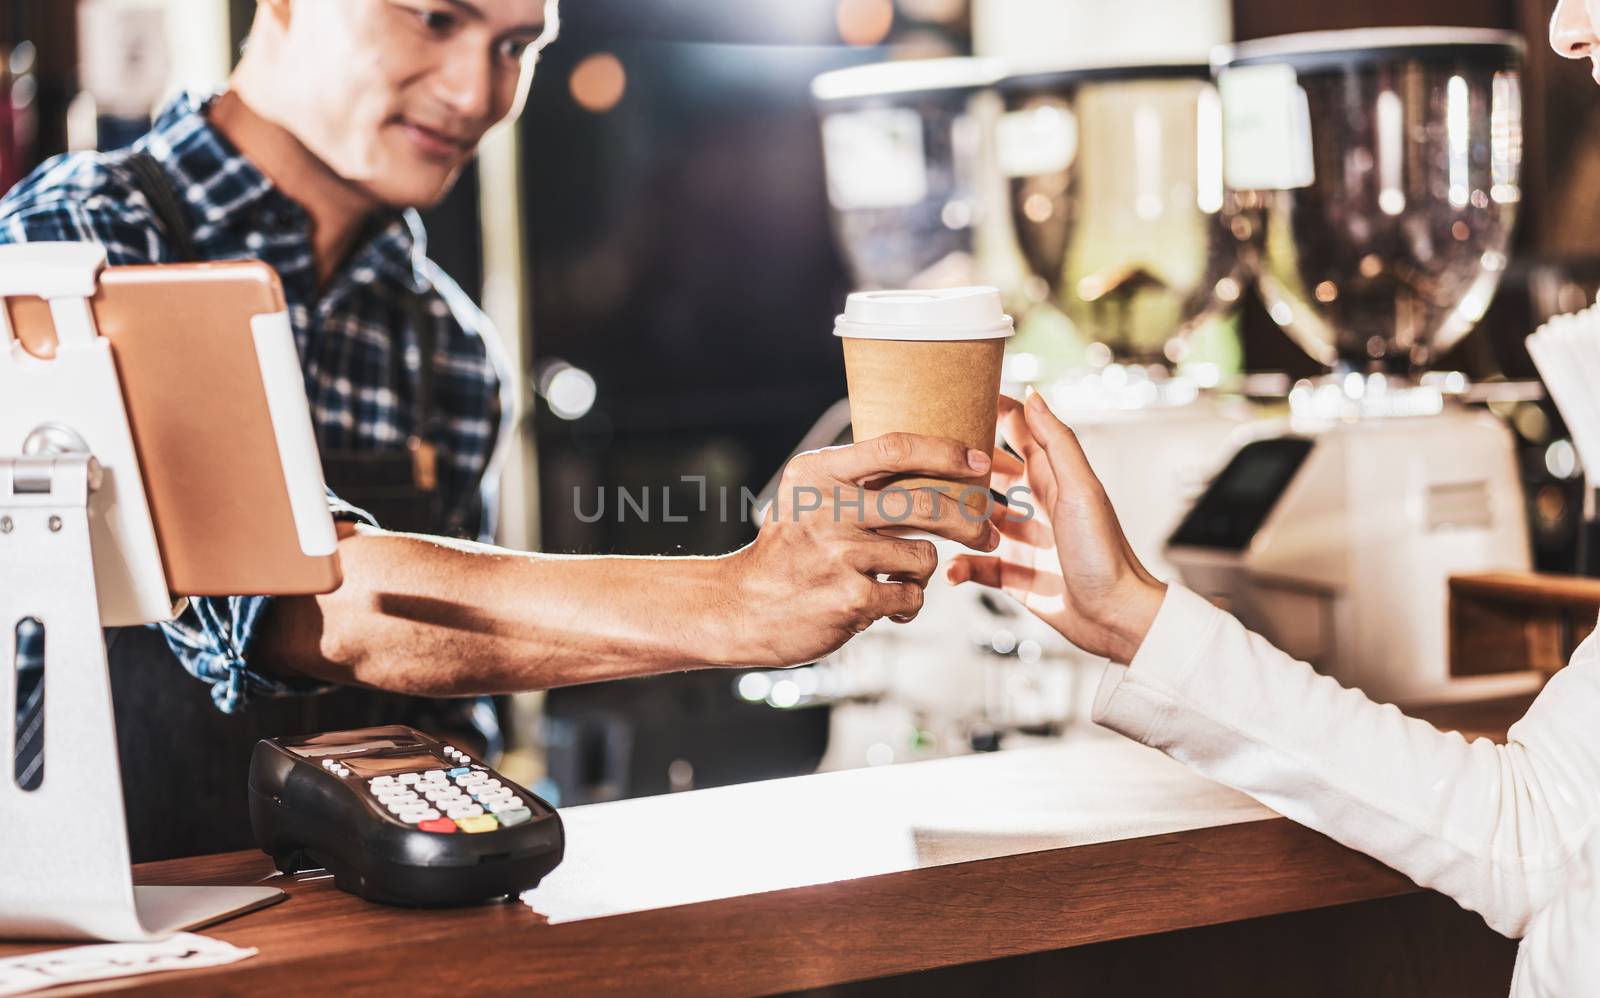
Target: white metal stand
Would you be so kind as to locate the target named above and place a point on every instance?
(75, 540)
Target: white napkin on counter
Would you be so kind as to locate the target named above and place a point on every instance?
(75, 964)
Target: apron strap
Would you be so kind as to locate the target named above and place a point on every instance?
(152, 181)
(424, 451)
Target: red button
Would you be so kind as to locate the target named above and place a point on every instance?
(437, 825)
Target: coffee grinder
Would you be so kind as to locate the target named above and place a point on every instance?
(1386, 165)
(904, 148)
(1114, 185)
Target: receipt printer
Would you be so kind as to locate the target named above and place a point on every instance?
(399, 817)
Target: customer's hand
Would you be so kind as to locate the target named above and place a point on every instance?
(820, 571)
(1068, 560)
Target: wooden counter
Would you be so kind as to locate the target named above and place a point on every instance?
(843, 877)
(1514, 621)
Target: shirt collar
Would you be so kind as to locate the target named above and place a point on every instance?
(398, 249)
(216, 183)
(223, 190)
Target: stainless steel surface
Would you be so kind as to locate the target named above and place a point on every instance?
(1116, 195)
(1393, 250)
(903, 147)
(54, 438)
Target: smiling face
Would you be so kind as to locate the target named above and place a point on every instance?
(393, 96)
(1572, 32)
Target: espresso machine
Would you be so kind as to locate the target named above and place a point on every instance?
(1385, 164)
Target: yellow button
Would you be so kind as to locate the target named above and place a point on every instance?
(478, 823)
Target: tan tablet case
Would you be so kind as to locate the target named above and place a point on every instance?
(197, 404)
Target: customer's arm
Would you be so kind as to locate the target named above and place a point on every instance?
(1496, 827)
(1560, 956)
(428, 616)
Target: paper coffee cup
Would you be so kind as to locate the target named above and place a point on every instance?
(927, 362)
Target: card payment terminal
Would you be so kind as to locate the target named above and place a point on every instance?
(399, 817)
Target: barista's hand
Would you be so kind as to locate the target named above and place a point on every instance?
(1069, 563)
(819, 572)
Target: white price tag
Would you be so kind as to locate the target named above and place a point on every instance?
(874, 159)
(1037, 141)
(1266, 129)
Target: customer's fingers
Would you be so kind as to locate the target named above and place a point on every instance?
(1006, 464)
(1059, 443)
(983, 569)
(1022, 522)
(1001, 573)
(1014, 430)
(1038, 475)
(1009, 473)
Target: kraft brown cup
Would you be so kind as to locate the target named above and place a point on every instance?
(938, 389)
(925, 375)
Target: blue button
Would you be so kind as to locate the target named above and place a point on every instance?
(460, 771)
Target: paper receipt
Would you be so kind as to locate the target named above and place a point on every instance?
(75, 964)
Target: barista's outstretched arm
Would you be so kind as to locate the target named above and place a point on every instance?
(429, 616)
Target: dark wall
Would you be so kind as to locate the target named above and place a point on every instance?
(51, 25)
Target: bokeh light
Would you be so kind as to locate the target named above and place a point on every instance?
(937, 11)
(865, 22)
(754, 686)
(1561, 459)
(570, 391)
(785, 694)
(598, 82)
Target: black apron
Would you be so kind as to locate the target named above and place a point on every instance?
(184, 763)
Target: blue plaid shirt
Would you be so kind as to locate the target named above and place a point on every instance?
(344, 332)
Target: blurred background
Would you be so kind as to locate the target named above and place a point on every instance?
(656, 242)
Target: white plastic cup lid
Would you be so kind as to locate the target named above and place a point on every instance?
(939, 314)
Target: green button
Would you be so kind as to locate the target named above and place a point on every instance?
(515, 816)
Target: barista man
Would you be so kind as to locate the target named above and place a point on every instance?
(342, 117)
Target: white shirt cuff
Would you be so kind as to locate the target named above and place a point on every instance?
(1135, 699)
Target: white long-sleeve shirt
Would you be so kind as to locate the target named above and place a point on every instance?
(1509, 831)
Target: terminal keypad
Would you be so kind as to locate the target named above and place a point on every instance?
(465, 797)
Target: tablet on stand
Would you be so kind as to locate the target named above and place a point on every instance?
(155, 440)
